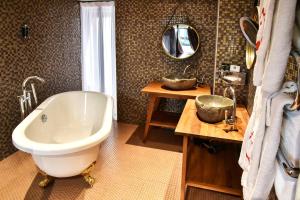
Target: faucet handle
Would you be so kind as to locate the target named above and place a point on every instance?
(226, 116)
(28, 98)
(22, 105)
(34, 93)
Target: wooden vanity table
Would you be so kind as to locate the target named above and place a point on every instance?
(220, 171)
(162, 118)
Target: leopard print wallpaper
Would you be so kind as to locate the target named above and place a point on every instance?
(52, 52)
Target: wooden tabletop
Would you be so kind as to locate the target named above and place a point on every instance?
(190, 125)
(157, 88)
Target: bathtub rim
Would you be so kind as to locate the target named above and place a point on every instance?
(22, 142)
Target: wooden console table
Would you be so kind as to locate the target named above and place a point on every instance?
(220, 171)
(161, 118)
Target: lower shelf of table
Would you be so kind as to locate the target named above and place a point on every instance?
(165, 119)
(216, 188)
(218, 172)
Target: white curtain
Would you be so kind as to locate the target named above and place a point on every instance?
(98, 49)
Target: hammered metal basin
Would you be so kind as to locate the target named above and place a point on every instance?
(178, 82)
(211, 108)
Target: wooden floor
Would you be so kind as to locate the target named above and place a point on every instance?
(123, 171)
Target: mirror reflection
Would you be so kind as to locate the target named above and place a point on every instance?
(180, 41)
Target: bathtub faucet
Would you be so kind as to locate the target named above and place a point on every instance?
(232, 120)
(25, 99)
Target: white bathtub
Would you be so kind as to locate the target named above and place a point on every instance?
(64, 133)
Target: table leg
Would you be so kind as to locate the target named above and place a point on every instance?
(152, 106)
(184, 166)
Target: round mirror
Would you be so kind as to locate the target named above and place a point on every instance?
(180, 41)
(249, 29)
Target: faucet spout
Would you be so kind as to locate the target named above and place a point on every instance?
(232, 120)
(25, 100)
(31, 78)
(188, 66)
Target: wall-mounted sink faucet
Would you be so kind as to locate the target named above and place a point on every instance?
(25, 100)
(232, 119)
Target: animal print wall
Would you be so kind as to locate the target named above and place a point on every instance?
(52, 52)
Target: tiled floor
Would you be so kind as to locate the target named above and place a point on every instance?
(123, 171)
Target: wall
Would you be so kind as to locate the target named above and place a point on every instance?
(52, 52)
(140, 58)
(231, 42)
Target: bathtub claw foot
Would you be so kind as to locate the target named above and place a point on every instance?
(86, 174)
(89, 179)
(46, 181)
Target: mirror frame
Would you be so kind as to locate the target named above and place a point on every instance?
(176, 58)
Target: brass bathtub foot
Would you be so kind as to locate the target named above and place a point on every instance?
(86, 174)
(47, 179)
(90, 180)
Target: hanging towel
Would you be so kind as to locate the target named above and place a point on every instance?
(260, 146)
(285, 186)
(266, 10)
(253, 137)
(288, 87)
(280, 45)
(297, 196)
(261, 142)
(273, 42)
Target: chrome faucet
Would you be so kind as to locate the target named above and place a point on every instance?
(231, 120)
(188, 66)
(25, 99)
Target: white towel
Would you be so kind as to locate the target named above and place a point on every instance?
(280, 45)
(290, 138)
(260, 146)
(285, 186)
(273, 42)
(251, 147)
(297, 196)
(266, 10)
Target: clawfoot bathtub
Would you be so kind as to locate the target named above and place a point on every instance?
(64, 133)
